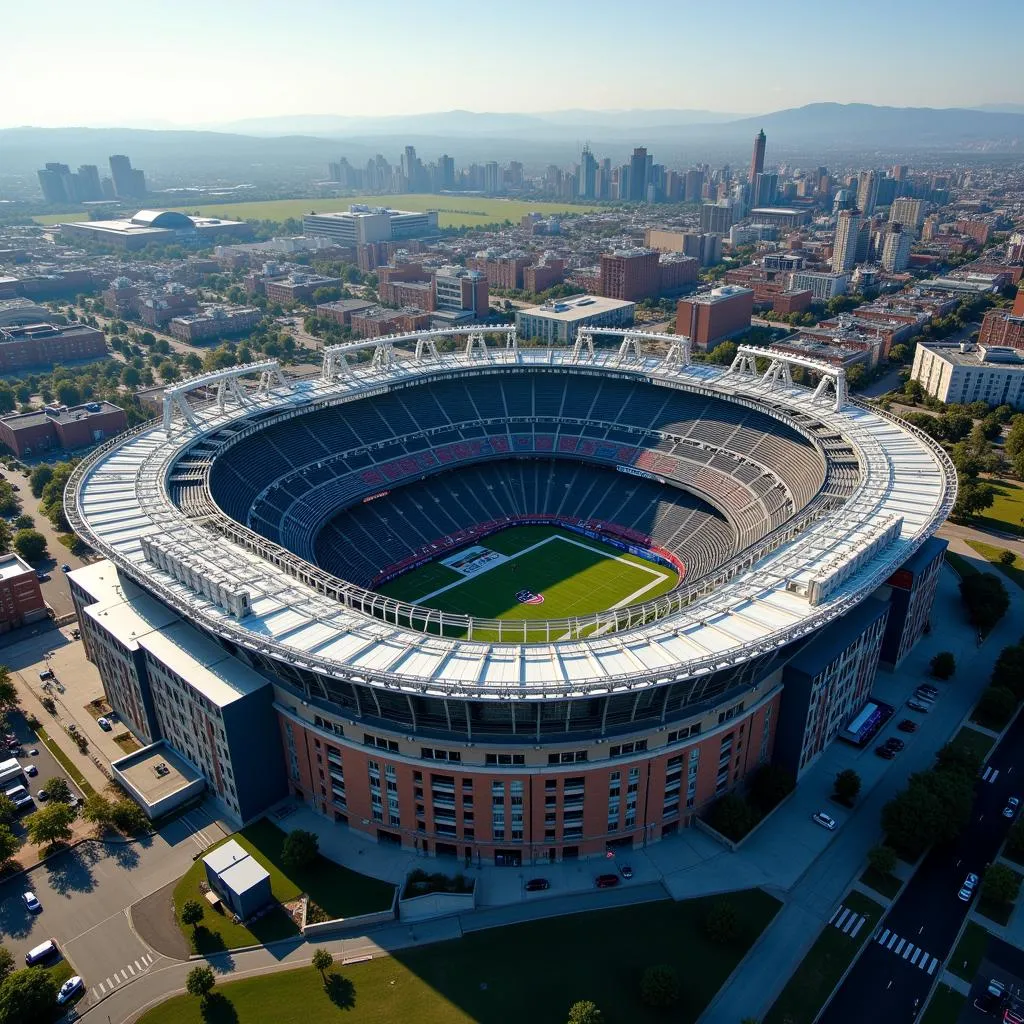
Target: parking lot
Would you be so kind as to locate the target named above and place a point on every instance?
(1003, 964)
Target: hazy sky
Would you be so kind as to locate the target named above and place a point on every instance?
(141, 62)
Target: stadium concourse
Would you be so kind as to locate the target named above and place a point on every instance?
(310, 588)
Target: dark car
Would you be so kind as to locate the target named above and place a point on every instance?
(887, 752)
(606, 881)
(43, 577)
(65, 567)
(626, 871)
(895, 743)
(907, 725)
(537, 885)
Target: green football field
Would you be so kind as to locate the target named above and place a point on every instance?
(574, 575)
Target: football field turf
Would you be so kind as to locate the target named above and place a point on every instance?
(535, 572)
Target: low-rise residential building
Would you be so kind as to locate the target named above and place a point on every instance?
(823, 285)
(21, 600)
(461, 292)
(560, 320)
(362, 224)
(377, 321)
(715, 316)
(544, 275)
(215, 322)
(1002, 328)
(298, 287)
(966, 373)
(58, 426)
(42, 344)
(342, 310)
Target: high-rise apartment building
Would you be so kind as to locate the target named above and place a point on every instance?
(716, 217)
(908, 213)
(896, 249)
(766, 187)
(844, 248)
(129, 183)
(867, 192)
(638, 175)
(757, 160)
(588, 175)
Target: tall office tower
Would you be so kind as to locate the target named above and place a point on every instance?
(89, 188)
(54, 180)
(638, 175)
(446, 170)
(896, 249)
(867, 192)
(603, 188)
(908, 213)
(725, 174)
(899, 172)
(765, 188)
(844, 248)
(588, 174)
(492, 178)
(716, 217)
(757, 160)
(128, 183)
(694, 185)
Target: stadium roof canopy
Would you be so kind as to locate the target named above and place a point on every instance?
(118, 501)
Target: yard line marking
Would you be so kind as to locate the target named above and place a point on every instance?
(95, 994)
(857, 927)
(884, 935)
(845, 914)
(931, 970)
(909, 948)
(913, 959)
(149, 958)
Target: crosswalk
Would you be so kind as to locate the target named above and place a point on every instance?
(990, 774)
(906, 950)
(122, 976)
(847, 921)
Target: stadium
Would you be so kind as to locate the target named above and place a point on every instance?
(504, 602)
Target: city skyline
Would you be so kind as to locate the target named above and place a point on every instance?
(198, 87)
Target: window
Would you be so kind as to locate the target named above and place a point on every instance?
(622, 749)
(567, 757)
(505, 759)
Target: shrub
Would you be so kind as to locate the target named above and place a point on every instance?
(659, 986)
(882, 859)
(943, 665)
(585, 1012)
(722, 922)
(300, 849)
(846, 786)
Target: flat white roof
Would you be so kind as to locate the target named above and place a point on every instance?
(11, 565)
(577, 307)
(120, 496)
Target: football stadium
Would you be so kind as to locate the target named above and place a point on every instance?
(503, 602)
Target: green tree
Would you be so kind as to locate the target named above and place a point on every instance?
(8, 844)
(192, 914)
(8, 691)
(882, 859)
(129, 817)
(30, 544)
(200, 982)
(322, 961)
(28, 997)
(659, 986)
(130, 377)
(723, 353)
(943, 665)
(6, 536)
(585, 1012)
(912, 819)
(1015, 840)
(39, 478)
(1000, 884)
(24, 522)
(722, 922)
(972, 497)
(98, 810)
(846, 786)
(58, 789)
(50, 824)
(996, 706)
(8, 812)
(300, 849)
(6, 963)
(1008, 671)
(985, 597)
(732, 816)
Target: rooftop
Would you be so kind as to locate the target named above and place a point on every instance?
(577, 308)
(994, 356)
(235, 867)
(58, 414)
(156, 772)
(11, 566)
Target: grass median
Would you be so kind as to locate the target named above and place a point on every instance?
(969, 952)
(531, 971)
(337, 890)
(945, 1006)
(819, 972)
(65, 762)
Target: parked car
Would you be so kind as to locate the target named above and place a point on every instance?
(887, 752)
(1011, 807)
(606, 881)
(907, 725)
(33, 752)
(104, 724)
(917, 705)
(31, 902)
(42, 796)
(31, 771)
(895, 743)
(626, 871)
(70, 989)
(65, 567)
(928, 688)
(824, 820)
(537, 885)
(967, 889)
(926, 698)
(43, 577)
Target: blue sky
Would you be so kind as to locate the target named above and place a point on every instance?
(203, 61)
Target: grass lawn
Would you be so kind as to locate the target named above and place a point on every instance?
(531, 971)
(970, 950)
(65, 762)
(991, 553)
(454, 211)
(887, 885)
(998, 912)
(340, 892)
(976, 742)
(820, 970)
(574, 576)
(945, 1006)
(960, 565)
(1007, 510)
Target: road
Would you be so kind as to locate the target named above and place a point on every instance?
(888, 982)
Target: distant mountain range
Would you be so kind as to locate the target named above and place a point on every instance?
(297, 148)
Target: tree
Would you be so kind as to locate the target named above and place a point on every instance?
(8, 691)
(585, 1012)
(30, 544)
(200, 982)
(722, 922)
(322, 961)
(300, 849)
(1015, 840)
(98, 810)
(1008, 671)
(51, 824)
(911, 820)
(130, 377)
(8, 812)
(1000, 884)
(768, 786)
(58, 789)
(8, 844)
(192, 914)
(972, 498)
(24, 523)
(128, 816)
(732, 816)
(1007, 557)
(6, 963)
(985, 597)
(659, 986)
(28, 997)
(996, 705)
(846, 786)
(6, 536)
(882, 859)
(943, 665)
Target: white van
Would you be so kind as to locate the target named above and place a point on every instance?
(41, 952)
(19, 795)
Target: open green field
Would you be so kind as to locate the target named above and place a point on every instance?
(575, 576)
(340, 892)
(1007, 511)
(945, 1006)
(531, 972)
(991, 553)
(454, 211)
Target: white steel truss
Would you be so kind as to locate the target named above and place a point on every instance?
(228, 388)
(833, 378)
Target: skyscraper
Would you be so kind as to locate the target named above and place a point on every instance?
(844, 247)
(896, 249)
(867, 192)
(757, 160)
(128, 183)
(588, 174)
(638, 175)
(766, 186)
